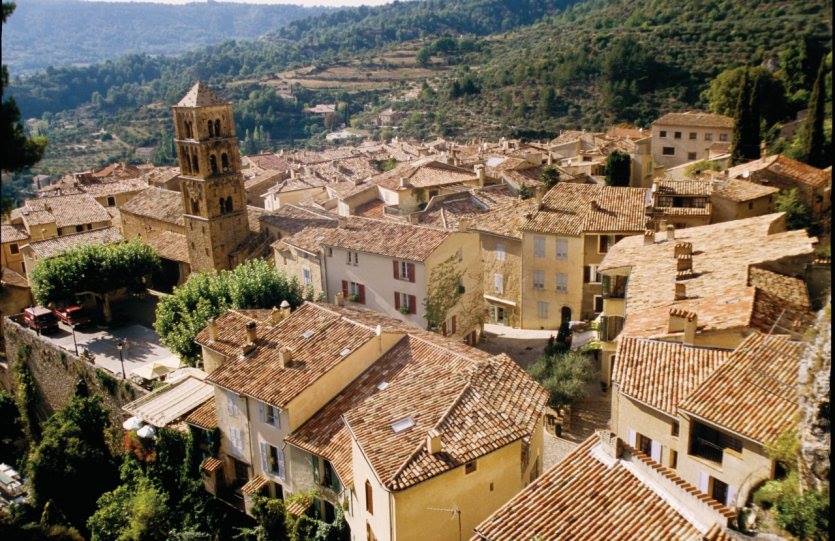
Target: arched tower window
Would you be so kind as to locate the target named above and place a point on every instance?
(224, 162)
(228, 204)
(194, 166)
(217, 127)
(221, 206)
(195, 206)
(211, 129)
(213, 163)
(188, 130)
(184, 161)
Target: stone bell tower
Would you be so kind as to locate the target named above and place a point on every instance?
(214, 201)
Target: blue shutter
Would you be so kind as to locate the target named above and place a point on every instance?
(265, 456)
(281, 463)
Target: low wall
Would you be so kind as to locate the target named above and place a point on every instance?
(56, 372)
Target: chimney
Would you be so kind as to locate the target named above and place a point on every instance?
(690, 326)
(251, 332)
(414, 218)
(212, 326)
(662, 225)
(378, 330)
(402, 183)
(684, 263)
(683, 248)
(480, 173)
(671, 232)
(550, 159)
(680, 291)
(610, 444)
(339, 299)
(595, 205)
(649, 237)
(275, 315)
(433, 441)
(284, 308)
(678, 318)
(285, 357)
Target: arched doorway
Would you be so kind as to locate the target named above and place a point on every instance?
(565, 315)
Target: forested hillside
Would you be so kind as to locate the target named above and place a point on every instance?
(606, 61)
(44, 33)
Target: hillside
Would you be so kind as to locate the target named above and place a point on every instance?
(605, 61)
(521, 68)
(91, 32)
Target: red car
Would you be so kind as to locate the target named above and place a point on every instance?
(40, 319)
(72, 315)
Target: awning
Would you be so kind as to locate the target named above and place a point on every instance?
(491, 298)
(156, 369)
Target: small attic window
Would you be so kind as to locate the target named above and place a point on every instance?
(402, 424)
(307, 334)
(382, 386)
(345, 352)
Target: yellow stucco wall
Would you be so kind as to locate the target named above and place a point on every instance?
(725, 210)
(294, 262)
(510, 269)
(10, 260)
(572, 266)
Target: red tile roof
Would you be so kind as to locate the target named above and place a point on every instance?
(755, 393)
(695, 119)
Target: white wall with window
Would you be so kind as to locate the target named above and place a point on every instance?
(498, 283)
(501, 251)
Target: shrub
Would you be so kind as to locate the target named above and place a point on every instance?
(564, 375)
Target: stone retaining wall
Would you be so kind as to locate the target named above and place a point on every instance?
(56, 372)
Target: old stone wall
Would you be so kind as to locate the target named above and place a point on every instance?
(815, 434)
(56, 372)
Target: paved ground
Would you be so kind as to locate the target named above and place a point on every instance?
(525, 346)
(143, 345)
(554, 449)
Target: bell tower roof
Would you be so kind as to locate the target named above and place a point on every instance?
(200, 95)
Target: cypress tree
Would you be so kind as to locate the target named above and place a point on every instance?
(813, 151)
(744, 136)
(754, 109)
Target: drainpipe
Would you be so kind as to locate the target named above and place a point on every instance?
(323, 274)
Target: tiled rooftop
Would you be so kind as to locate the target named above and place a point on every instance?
(63, 210)
(739, 190)
(12, 278)
(572, 209)
(660, 374)
(696, 119)
(784, 166)
(58, 245)
(755, 393)
(423, 173)
(159, 204)
(589, 495)
(205, 416)
(200, 95)
(693, 187)
(10, 233)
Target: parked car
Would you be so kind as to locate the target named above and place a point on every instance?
(40, 319)
(72, 315)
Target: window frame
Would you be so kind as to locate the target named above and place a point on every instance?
(668, 151)
(561, 242)
(538, 277)
(501, 251)
(539, 246)
(561, 282)
(542, 309)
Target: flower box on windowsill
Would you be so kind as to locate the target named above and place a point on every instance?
(353, 298)
(404, 310)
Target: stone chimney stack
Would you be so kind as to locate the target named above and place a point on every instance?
(212, 326)
(342, 221)
(284, 309)
(671, 232)
(285, 356)
(684, 263)
(433, 441)
(275, 316)
(683, 248)
(480, 173)
(550, 159)
(251, 332)
(610, 444)
(690, 325)
(680, 291)
(649, 237)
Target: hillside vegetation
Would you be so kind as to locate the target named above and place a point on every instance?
(44, 33)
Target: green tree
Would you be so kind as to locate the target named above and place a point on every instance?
(813, 147)
(548, 102)
(443, 292)
(723, 92)
(72, 453)
(549, 176)
(17, 151)
(424, 55)
(798, 214)
(305, 529)
(564, 375)
(100, 269)
(11, 429)
(253, 284)
(135, 511)
(271, 516)
(164, 151)
(743, 145)
(618, 168)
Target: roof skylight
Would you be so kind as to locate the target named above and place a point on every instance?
(402, 424)
(307, 334)
(383, 385)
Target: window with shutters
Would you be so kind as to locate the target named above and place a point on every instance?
(604, 242)
(591, 275)
(542, 309)
(353, 258)
(369, 502)
(598, 303)
(269, 415)
(562, 249)
(562, 282)
(307, 278)
(501, 251)
(498, 283)
(405, 303)
(353, 291)
(708, 137)
(539, 279)
(539, 246)
(405, 271)
(232, 409)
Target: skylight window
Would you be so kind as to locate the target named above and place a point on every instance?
(345, 352)
(307, 334)
(402, 424)
(382, 386)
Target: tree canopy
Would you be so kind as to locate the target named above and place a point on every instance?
(564, 375)
(618, 168)
(813, 146)
(94, 267)
(253, 284)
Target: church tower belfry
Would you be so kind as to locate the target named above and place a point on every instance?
(214, 201)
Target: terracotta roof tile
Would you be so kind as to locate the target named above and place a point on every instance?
(739, 190)
(8, 277)
(582, 497)
(669, 186)
(159, 204)
(10, 233)
(63, 210)
(58, 245)
(423, 174)
(695, 119)
(660, 374)
(572, 209)
(211, 464)
(200, 95)
(789, 288)
(254, 485)
(204, 416)
(755, 393)
(785, 167)
(169, 245)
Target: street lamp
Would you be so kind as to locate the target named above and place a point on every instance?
(74, 343)
(120, 345)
